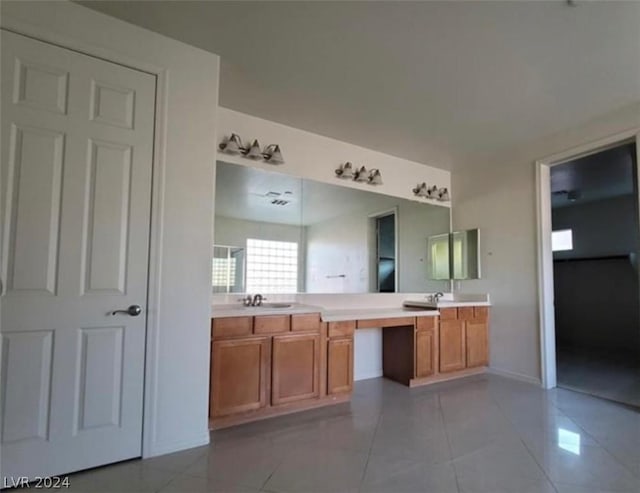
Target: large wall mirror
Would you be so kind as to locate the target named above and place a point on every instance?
(275, 233)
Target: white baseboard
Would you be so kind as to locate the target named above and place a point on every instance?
(170, 447)
(514, 376)
(365, 375)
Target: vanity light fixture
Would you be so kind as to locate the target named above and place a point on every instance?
(420, 190)
(254, 151)
(272, 154)
(443, 195)
(375, 178)
(361, 175)
(345, 171)
(233, 145)
(433, 192)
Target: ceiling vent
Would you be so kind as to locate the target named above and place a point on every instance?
(280, 202)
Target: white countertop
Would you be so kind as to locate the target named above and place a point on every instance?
(337, 315)
(251, 311)
(371, 313)
(444, 304)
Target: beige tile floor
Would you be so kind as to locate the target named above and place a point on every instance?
(482, 434)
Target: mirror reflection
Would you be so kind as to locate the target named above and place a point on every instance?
(275, 233)
(454, 256)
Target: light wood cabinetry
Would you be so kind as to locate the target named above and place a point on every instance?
(426, 353)
(464, 341)
(340, 357)
(477, 343)
(239, 375)
(339, 365)
(295, 367)
(452, 345)
(269, 365)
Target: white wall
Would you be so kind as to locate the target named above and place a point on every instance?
(177, 362)
(315, 157)
(497, 195)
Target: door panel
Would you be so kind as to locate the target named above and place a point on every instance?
(34, 191)
(477, 334)
(107, 204)
(239, 375)
(26, 372)
(296, 368)
(426, 353)
(75, 208)
(452, 345)
(340, 365)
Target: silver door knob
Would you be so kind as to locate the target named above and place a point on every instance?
(133, 310)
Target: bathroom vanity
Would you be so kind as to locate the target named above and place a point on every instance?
(268, 362)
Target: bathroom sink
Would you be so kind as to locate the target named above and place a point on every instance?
(274, 305)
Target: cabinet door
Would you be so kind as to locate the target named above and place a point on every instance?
(477, 334)
(452, 345)
(239, 375)
(340, 365)
(296, 368)
(426, 353)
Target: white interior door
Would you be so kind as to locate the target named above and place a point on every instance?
(77, 142)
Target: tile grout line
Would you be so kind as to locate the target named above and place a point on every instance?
(446, 434)
(373, 439)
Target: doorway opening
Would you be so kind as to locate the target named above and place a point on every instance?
(594, 234)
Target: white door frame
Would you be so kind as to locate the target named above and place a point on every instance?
(545, 255)
(75, 30)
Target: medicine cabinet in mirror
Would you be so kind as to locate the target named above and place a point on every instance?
(295, 235)
(454, 256)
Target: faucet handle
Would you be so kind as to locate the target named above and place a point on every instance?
(246, 301)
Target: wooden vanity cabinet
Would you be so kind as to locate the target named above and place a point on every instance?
(426, 347)
(295, 367)
(240, 375)
(339, 365)
(340, 357)
(452, 345)
(477, 337)
(464, 340)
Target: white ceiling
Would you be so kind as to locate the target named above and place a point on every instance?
(436, 82)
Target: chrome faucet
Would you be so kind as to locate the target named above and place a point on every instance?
(434, 298)
(246, 301)
(257, 300)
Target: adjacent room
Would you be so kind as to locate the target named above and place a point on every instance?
(596, 244)
(320, 247)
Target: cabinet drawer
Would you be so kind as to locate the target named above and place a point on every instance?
(231, 327)
(448, 313)
(374, 323)
(342, 329)
(305, 322)
(425, 323)
(465, 313)
(271, 324)
(481, 312)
